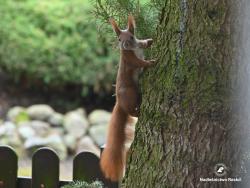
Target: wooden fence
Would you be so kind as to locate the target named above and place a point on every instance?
(45, 170)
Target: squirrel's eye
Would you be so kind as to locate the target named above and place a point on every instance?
(132, 38)
(119, 39)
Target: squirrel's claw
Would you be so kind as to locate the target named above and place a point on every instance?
(149, 42)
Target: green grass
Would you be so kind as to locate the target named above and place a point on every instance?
(24, 171)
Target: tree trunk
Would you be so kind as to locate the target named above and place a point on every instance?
(185, 126)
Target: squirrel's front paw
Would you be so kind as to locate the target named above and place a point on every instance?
(152, 62)
(149, 42)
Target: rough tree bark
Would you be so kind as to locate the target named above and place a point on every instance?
(185, 127)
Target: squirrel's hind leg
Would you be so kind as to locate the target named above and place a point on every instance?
(129, 101)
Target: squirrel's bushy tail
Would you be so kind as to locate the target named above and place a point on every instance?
(113, 156)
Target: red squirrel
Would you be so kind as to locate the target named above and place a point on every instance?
(127, 98)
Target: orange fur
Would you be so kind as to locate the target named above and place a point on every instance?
(113, 156)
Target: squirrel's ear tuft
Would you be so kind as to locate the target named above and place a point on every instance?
(115, 27)
(131, 24)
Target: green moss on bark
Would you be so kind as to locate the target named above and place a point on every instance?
(183, 127)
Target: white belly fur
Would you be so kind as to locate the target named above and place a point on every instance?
(139, 53)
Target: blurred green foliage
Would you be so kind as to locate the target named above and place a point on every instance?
(55, 42)
(22, 117)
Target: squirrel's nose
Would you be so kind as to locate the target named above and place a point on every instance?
(126, 44)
